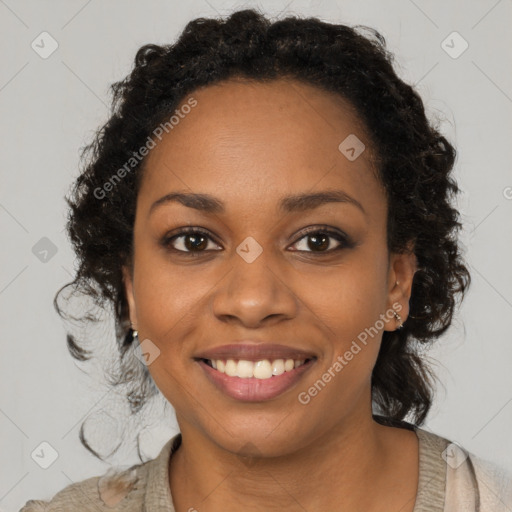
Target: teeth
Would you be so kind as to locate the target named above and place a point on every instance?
(245, 369)
(263, 369)
(231, 368)
(278, 367)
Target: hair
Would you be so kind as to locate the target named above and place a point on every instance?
(414, 164)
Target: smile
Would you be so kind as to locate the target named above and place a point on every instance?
(254, 381)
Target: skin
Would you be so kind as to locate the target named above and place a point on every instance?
(249, 144)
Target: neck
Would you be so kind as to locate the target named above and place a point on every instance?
(345, 463)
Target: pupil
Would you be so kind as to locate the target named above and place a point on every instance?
(195, 245)
(324, 238)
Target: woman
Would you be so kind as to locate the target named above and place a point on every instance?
(269, 211)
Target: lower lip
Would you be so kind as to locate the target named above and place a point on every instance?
(253, 389)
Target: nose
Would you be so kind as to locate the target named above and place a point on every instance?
(255, 294)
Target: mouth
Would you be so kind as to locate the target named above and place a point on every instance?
(254, 381)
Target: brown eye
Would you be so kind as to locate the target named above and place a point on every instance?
(191, 240)
(321, 241)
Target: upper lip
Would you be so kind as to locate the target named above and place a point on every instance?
(254, 352)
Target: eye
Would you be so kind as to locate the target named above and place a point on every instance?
(189, 240)
(195, 240)
(320, 241)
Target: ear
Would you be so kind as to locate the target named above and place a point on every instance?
(402, 267)
(128, 288)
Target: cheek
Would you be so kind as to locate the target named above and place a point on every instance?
(166, 294)
(166, 308)
(167, 303)
(348, 302)
(171, 302)
(350, 311)
(347, 299)
(162, 300)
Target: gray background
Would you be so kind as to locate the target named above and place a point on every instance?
(49, 110)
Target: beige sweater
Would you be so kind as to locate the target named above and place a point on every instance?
(450, 480)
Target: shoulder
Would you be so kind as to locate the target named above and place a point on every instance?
(471, 482)
(116, 490)
(142, 486)
(495, 484)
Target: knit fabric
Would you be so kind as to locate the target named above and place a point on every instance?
(450, 480)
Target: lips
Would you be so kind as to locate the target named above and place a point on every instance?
(254, 372)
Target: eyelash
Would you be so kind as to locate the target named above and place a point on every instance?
(344, 240)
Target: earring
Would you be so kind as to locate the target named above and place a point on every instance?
(135, 334)
(399, 319)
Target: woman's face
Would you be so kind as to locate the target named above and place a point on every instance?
(264, 270)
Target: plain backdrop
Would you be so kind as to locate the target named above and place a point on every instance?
(49, 109)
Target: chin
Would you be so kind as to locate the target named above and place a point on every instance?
(265, 442)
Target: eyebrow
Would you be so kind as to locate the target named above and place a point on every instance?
(289, 204)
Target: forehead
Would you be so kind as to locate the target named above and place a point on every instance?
(244, 139)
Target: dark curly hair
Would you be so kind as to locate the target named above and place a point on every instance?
(414, 164)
